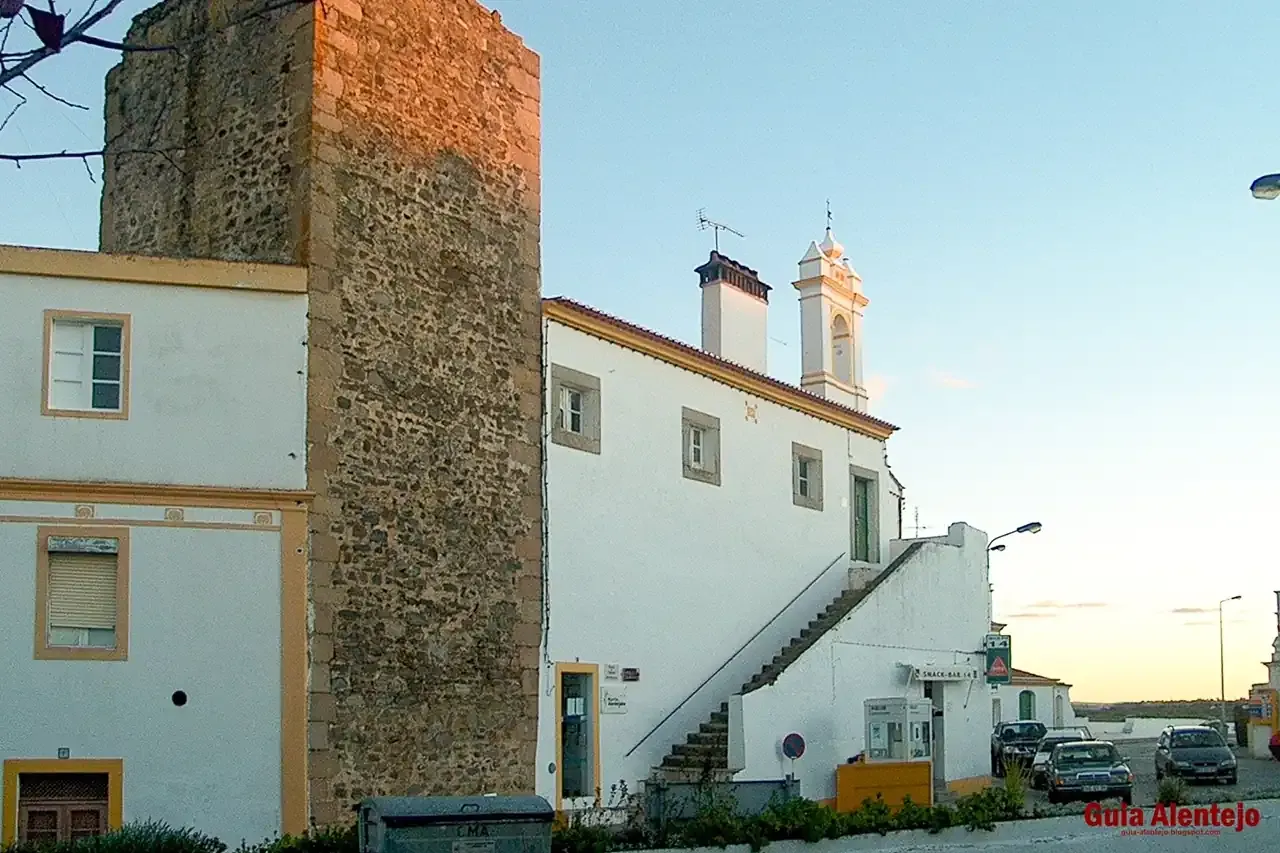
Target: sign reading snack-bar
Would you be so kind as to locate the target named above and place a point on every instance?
(944, 673)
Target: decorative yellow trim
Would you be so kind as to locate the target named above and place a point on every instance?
(139, 269)
(123, 320)
(293, 672)
(158, 494)
(137, 522)
(594, 671)
(712, 368)
(44, 651)
(13, 767)
(969, 785)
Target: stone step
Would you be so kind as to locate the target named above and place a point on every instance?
(714, 728)
(720, 739)
(700, 750)
(700, 762)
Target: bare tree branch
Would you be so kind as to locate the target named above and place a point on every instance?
(49, 94)
(19, 159)
(70, 37)
(21, 100)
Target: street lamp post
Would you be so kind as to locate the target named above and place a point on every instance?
(1029, 527)
(1222, 667)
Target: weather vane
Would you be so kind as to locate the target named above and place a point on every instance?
(828, 214)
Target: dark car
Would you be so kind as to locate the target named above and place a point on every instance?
(1195, 753)
(1014, 743)
(1044, 749)
(1091, 770)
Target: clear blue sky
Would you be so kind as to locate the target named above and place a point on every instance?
(1072, 293)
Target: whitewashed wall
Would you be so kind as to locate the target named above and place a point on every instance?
(217, 387)
(204, 615)
(930, 612)
(1009, 694)
(650, 570)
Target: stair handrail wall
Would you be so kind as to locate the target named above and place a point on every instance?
(740, 650)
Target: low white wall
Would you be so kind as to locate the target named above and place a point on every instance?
(931, 611)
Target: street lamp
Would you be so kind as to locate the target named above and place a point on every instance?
(1029, 527)
(1222, 665)
(1266, 188)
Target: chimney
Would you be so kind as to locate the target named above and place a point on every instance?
(735, 308)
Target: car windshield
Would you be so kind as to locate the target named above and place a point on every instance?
(1053, 740)
(1090, 754)
(1192, 740)
(1022, 731)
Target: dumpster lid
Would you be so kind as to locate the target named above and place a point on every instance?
(409, 811)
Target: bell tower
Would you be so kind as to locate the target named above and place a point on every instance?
(831, 306)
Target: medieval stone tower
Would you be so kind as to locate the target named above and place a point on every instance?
(393, 150)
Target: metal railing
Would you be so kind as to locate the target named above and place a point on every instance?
(740, 650)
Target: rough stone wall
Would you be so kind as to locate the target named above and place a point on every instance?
(394, 149)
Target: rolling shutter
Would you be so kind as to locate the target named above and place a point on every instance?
(82, 590)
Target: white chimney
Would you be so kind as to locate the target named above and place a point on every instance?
(735, 309)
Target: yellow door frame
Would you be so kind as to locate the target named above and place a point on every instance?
(14, 767)
(593, 670)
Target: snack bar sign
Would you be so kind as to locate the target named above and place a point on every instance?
(999, 659)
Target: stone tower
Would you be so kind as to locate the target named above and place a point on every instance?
(393, 150)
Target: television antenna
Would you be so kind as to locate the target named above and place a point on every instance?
(704, 223)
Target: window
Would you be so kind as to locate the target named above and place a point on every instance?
(82, 591)
(865, 536)
(86, 364)
(575, 409)
(52, 800)
(1026, 705)
(61, 806)
(701, 446)
(806, 476)
(578, 764)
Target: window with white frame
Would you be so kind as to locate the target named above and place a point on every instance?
(701, 446)
(575, 409)
(806, 476)
(87, 364)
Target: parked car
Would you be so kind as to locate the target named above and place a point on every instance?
(1088, 769)
(1044, 749)
(1014, 743)
(1195, 752)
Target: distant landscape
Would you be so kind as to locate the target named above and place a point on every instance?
(1118, 712)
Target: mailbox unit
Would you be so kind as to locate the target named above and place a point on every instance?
(455, 825)
(898, 729)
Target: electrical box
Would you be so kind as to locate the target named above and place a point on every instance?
(455, 825)
(898, 729)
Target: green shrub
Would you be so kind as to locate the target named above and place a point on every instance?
(151, 837)
(1173, 792)
(1015, 784)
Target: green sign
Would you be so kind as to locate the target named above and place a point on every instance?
(999, 659)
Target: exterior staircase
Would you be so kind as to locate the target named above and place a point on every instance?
(705, 753)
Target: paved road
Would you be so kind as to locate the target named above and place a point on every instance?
(1070, 833)
(1257, 777)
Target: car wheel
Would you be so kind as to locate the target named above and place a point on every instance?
(1054, 799)
(1235, 777)
(999, 767)
(1159, 775)
(1127, 797)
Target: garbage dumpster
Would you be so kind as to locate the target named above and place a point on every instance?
(455, 825)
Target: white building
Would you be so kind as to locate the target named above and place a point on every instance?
(153, 522)
(700, 514)
(1028, 696)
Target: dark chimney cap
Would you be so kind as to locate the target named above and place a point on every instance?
(725, 269)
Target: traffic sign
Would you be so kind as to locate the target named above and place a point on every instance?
(999, 659)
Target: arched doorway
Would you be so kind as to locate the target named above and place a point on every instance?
(1026, 705)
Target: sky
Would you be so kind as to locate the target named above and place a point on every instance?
(1072, 293)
